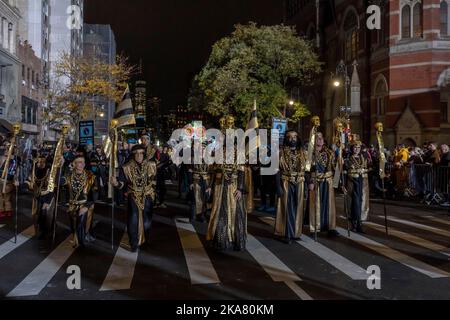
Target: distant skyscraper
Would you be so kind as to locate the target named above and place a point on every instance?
(66, 29)
(99, 44)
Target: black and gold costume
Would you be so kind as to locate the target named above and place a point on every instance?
(82, 190)
(291, 187)
(357, 189)
(41, 202)
(228, 224)
(140, 182)
(322, 208)
(199, 176)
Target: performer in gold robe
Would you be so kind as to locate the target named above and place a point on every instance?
(322, 210)
(82, 190)
(6, 198)
(138, 176)
(357, 186)
(290, 190)
(200, 190)
(228, 223)
(37, 183)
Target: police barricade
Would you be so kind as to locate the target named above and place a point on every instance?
(442, 184)
(431, 181)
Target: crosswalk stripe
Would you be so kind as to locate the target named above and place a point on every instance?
(419, 226)
(38, 278)
(298, 291)
(121, 272)
(201, 270)
(341, 263)
(277, 270)
(411, 238)
(439, 220)
(10, 245)
(395, 255)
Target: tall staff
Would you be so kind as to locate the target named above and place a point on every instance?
(112, 173)
(55, 173)
(311, 146)
(382, 164)
(339, 170)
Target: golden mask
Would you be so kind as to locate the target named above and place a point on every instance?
(379, 126)
(315, 121)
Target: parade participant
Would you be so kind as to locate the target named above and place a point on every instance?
(322, 209)
(151, 152)
(290, 190)
(82, 194)
(161, 169)
(228, 223)
(357, 186)
(37, 183)
(8, 170)
(138, 176)
(199, 185)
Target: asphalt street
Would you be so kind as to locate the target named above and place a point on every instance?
(413, 260)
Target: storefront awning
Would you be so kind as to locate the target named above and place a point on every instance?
(5, 126)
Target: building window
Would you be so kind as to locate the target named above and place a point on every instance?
(351, 37)
(444, 18)
(417, 20)
(406, 22)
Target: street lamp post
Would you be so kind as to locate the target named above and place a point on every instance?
(342, 71)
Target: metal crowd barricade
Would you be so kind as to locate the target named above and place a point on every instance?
(442, 183)
(431, 181)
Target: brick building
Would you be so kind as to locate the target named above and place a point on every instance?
(402, 76)
(31, 91)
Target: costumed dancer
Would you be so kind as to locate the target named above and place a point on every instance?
(200, 188)
(37, 183)
(8, 170)
(357, 186)
(82, 188)
(290, 190)
(322, 207)
(228, 223)
(138, 178)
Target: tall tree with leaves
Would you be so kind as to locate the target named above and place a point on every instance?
(255, 62)
(77, 82)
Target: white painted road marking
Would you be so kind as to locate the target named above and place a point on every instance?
(411, 238)
(341, 263)
(277, 270)
(121, 272)
(441, 232)
(8, 246)
(37, 280)
(201, 270)
(398, 256)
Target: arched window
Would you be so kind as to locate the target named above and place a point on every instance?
(380, 96)
(444, 18)
(417, 20)
(351, 37)
(406, 22)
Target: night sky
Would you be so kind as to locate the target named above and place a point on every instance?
(174, 37)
